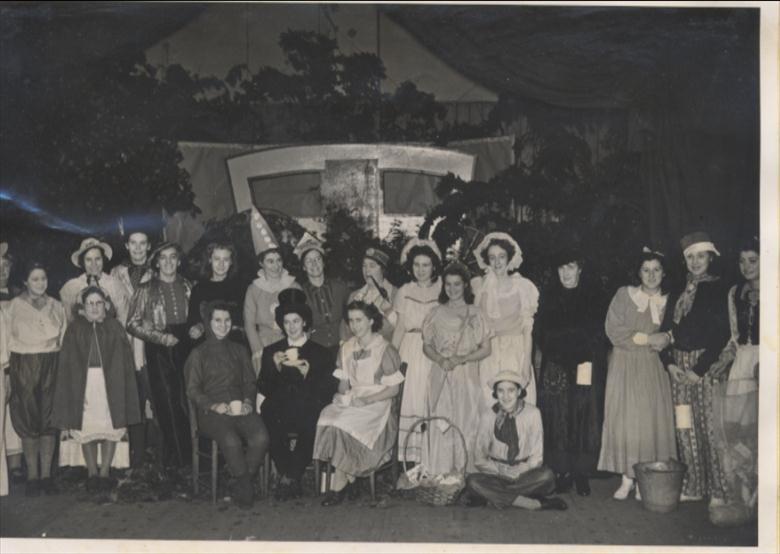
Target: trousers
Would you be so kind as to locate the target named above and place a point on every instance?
(501, 492)
(231, 432)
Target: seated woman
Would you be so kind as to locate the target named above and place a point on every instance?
(297, 382)
(221, 383)
(95, 392)
(356, 433)
(509, 452)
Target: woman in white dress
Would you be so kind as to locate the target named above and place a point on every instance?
(508, 302)
(413, 302)
(356, 432)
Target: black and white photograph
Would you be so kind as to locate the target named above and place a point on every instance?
(351, 277)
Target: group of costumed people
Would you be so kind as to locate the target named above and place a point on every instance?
(313, 370)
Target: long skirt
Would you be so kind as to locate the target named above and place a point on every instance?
(351, 456)
(696, 442)
(414, 401)
(638, 414)
(455, 395)
(32, 393)
(571, 420)
(507, 353)
(169, 401)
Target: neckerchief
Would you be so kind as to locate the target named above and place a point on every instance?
(685, 301)
(505, 428)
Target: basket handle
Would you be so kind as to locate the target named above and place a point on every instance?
(452, 426)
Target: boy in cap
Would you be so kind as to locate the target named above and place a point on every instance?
(509, 452)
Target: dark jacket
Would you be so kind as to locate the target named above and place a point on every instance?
(289, 387)
(706, 327)
(219, 371)
(118, 369)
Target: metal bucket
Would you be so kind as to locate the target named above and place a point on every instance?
(660, 484)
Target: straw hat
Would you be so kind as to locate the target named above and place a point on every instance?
(88, 244)
(507, 375)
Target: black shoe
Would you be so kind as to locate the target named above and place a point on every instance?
(552, 503)
(17, 476)
(563, 482)
(32, 487)
(93, 484)
(296, 489)
(333, 498)
(282, 491)
(49, 487)
(106, 484)
(582, 485)
(473, 501)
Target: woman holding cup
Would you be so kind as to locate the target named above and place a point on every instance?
(297, 382)
(570, 335)
(356, 432)
(638, 416)
(221, 385)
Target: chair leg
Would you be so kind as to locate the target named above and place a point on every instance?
(317, 478)
(394, 467)
(266, 474)
(327, 476)
(195, 466)
(214, 459)
(372, 484)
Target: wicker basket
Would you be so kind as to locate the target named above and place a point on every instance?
(431, 492)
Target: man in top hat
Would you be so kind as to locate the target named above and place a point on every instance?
(91, 256)
(297, 382)
(509, 452)
(158, 316)
(325, 296)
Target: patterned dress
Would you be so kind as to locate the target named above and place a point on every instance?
(412, 304)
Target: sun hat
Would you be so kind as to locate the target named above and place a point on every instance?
(507, 375)
(517, 258)
(88, 244)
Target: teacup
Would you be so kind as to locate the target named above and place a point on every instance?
(292, 354)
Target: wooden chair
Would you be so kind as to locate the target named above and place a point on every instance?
(213, 454)
(392, 463)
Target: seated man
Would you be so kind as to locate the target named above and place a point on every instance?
(508, 453)
(297, 382)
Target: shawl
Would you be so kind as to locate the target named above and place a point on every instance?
(685, 301)
(118, 368)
